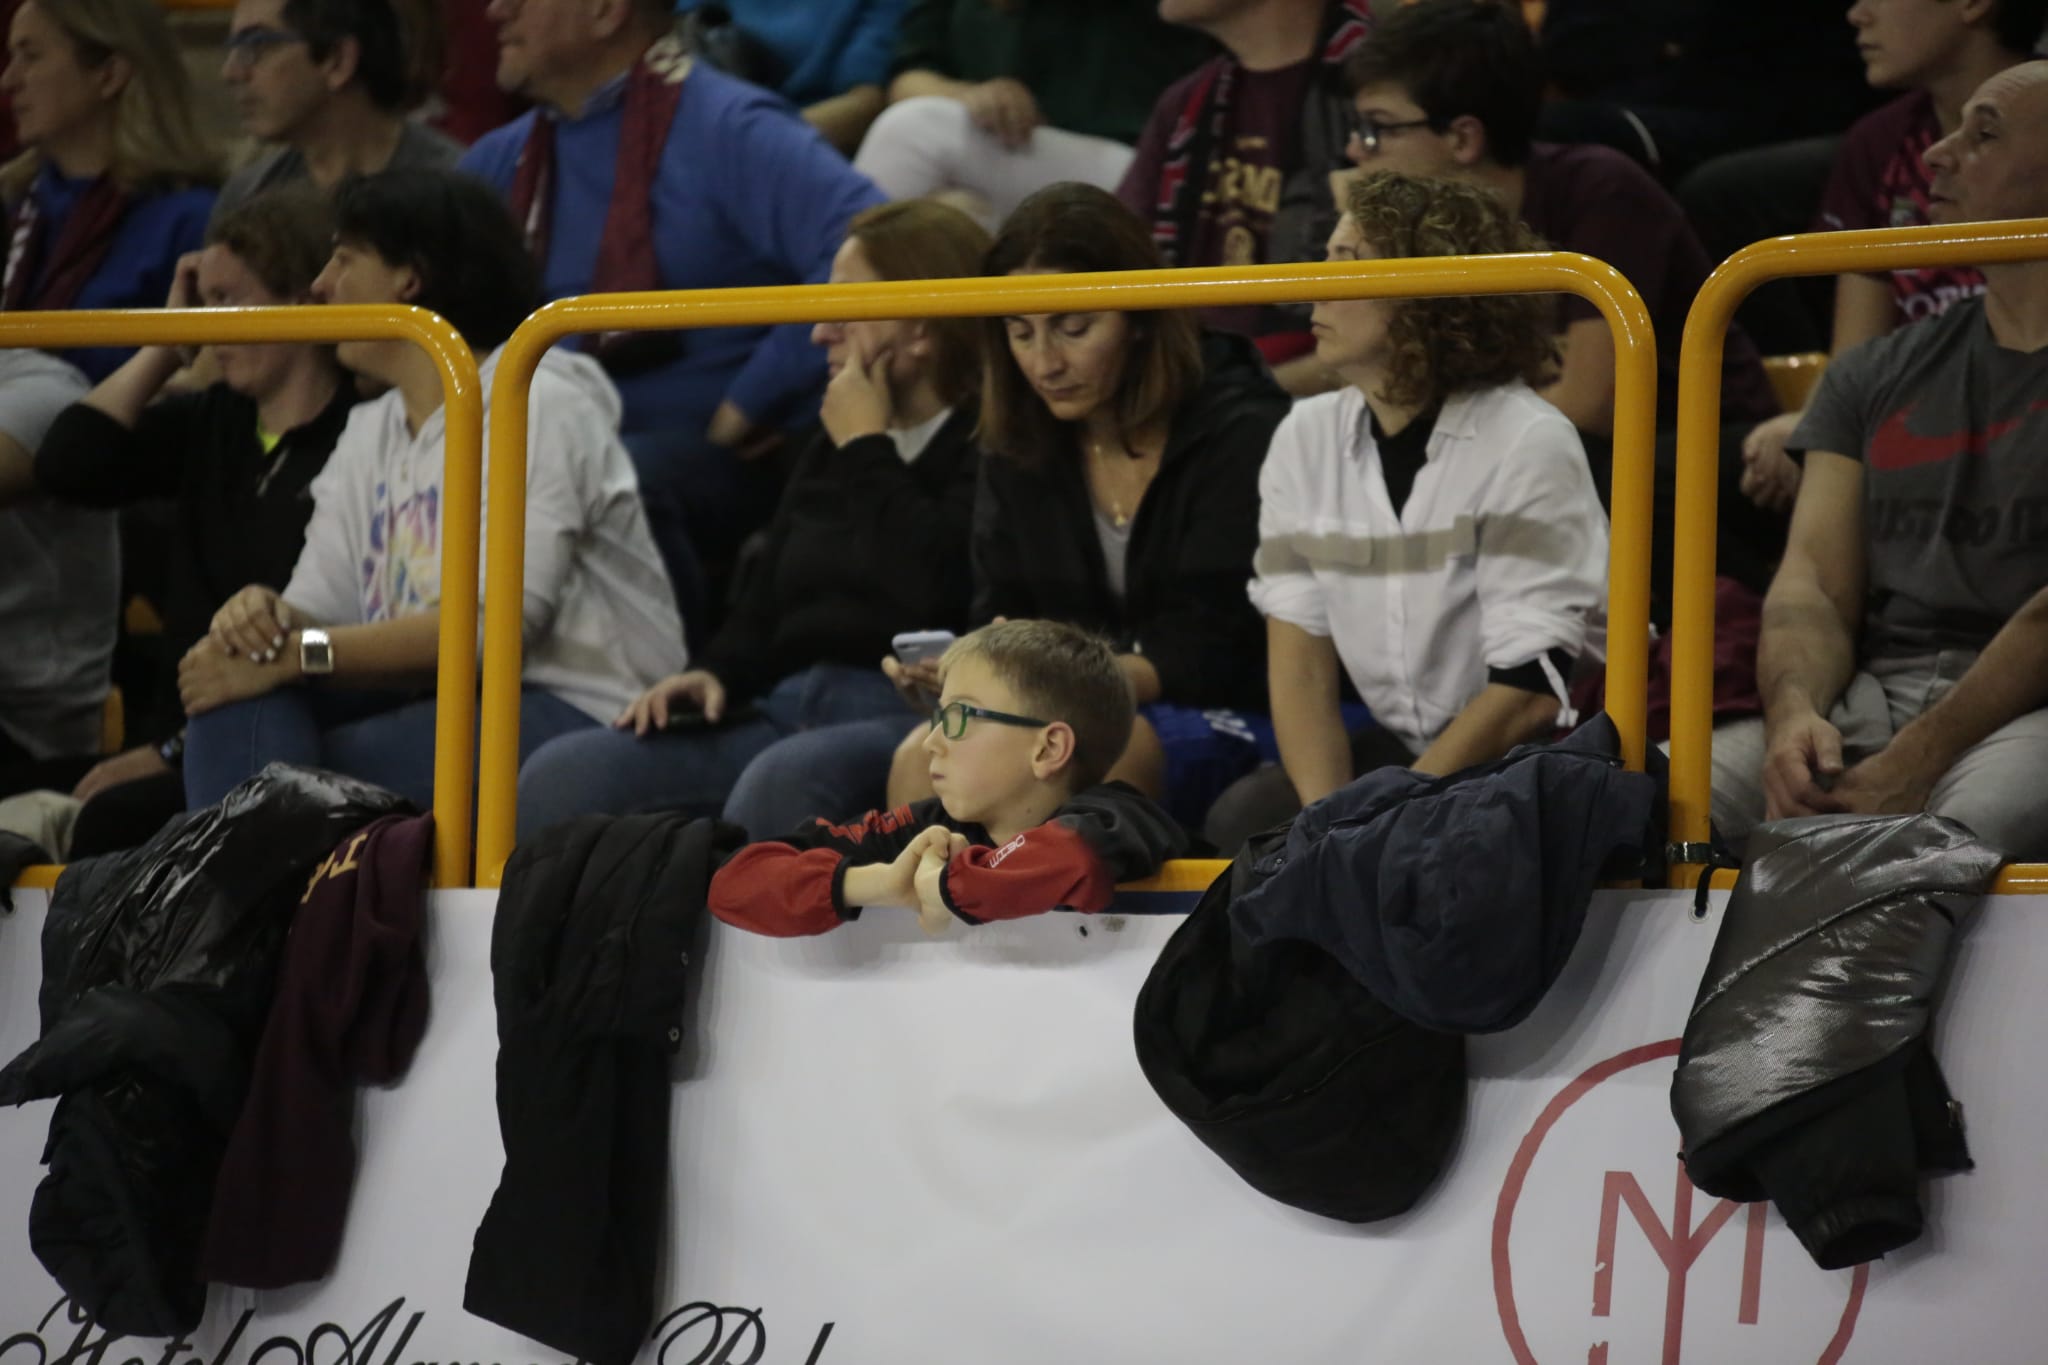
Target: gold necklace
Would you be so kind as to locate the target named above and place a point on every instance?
(1116, 506)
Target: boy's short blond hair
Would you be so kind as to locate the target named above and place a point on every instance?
(1060, 673)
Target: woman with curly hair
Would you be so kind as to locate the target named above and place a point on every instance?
(1430, 530)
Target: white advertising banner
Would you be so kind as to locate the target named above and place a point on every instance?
(897, 1150)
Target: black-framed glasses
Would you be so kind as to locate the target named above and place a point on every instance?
(951, 719)
(248, 46)
(1366, 130)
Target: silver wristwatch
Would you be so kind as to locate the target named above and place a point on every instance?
(316, 652)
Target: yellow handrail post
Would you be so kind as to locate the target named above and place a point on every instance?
(1699, 420)
(1537, 272)
(1631, 502)
(504, 592)
(462, 486)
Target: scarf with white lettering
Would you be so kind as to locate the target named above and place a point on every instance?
(1204, 125)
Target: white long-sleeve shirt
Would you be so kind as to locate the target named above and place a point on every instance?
(599, 615)
(1498, 556)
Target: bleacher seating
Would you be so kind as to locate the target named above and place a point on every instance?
(1794, 376)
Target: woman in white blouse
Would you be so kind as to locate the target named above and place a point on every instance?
(1429, 531)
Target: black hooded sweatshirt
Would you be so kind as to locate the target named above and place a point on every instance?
(1185, 609)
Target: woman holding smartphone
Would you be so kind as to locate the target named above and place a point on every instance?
(1119, 492)
(869, 541)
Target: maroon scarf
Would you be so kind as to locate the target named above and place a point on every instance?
(625, 252)
(43, 274)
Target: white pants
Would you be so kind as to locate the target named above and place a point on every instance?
(924, 145)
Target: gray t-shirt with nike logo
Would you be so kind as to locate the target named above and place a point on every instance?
(1952, 430)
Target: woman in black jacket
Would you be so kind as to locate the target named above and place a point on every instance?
(869, 540)
(1120, 492)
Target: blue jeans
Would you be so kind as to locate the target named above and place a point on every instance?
(616, 772)
(837, 773)
(386, 738)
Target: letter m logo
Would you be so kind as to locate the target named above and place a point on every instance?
(1677, 1246)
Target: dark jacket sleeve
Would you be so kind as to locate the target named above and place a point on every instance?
(794, 886)
(1104, 835)
(1201, 631)
(922, 39)
(90, 459)
(739, 655)
(910, 535)
(1002, 572)
(1139, 189)
(891, 536)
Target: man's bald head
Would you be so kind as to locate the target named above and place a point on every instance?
(1995, 164)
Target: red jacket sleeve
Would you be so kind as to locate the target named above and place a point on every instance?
(793, 886)
(1102, 836)
(1048, 868)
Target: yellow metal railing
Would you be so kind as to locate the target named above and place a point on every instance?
(1544, 272)
(462, 486)
(1699, 416)
(1182, 877)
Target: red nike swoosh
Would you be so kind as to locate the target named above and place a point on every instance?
(1895, 447)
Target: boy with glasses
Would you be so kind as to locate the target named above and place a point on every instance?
(1031, 715)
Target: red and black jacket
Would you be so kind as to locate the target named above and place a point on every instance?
(1107, 834)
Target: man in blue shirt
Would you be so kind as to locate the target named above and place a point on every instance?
(643, 169)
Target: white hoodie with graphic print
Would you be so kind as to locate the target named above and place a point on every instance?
(600, 619)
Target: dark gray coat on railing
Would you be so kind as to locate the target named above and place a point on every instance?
(1805, 1075)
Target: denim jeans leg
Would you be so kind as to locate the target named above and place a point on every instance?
(836, 772)
(836, 694)
(227, 746)
(395, 750)
(615, 772)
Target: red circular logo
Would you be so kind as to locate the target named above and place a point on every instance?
(1677, 1244)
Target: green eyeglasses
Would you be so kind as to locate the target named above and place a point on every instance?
(951, 719)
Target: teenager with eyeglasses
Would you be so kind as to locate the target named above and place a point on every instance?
(1452, 89)
(325, 86)
(1031, 716)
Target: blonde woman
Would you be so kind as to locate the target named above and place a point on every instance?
(116, 181)
(115, 186)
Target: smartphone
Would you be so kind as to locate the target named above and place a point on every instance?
(685, 718)
(920, 646)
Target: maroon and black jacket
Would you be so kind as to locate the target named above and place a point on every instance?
(1107, 834)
